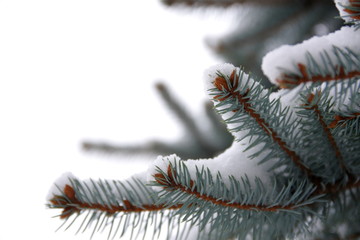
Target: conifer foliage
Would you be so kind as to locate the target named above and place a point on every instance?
(293, 171)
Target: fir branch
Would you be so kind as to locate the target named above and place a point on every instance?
(353, 236)
(111, 201)
(289, 81)
(238, 207)
(169, 182)
(312, 104)
(333, 61)
(343, 120)
(346, 67)
(228, 91)
(346, 120)
(207, 200)
(338, 188)
(70, 205)
(328, 152)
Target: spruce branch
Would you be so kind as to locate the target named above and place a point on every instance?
(95, 202)
(316, 114)
(239, 205)
(263, 119)
(346, 121)
(340, 120)
(336, 61)
(327, 71)
(171, 182)
(71, 204)
(206, 199)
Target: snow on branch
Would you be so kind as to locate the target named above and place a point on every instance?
(326, 59)
(349, 11)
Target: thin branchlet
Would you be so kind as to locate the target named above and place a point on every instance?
(71, 205)
(340, 120)
(289, 81)
(313, 106)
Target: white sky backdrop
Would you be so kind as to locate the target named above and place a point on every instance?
(73, 70)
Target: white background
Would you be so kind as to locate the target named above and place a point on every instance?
(72, 70)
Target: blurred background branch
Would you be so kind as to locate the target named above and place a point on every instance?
(196, 142)
(260, 26)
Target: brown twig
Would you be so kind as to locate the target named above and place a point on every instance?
(169, 182)
(71, 204)
(289, 81)
(311, 105)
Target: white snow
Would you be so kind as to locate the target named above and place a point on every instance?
(286, 58)
(233, 162)
(212, 73)
(343, 14)
(58, 186)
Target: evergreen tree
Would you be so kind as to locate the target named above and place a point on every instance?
(292, 172)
